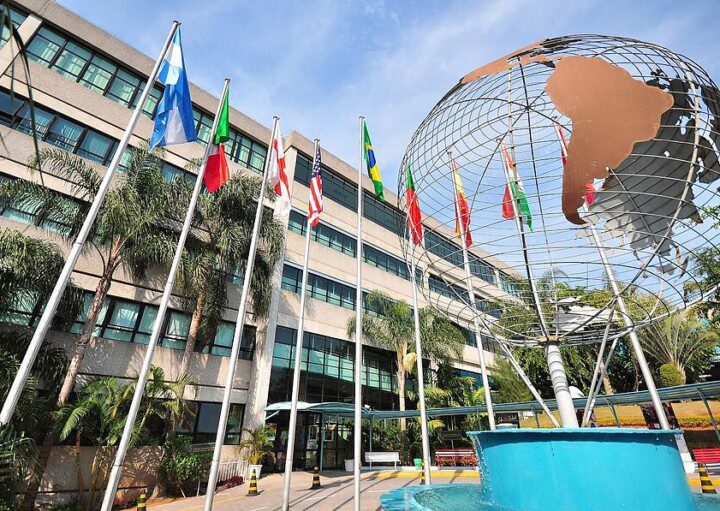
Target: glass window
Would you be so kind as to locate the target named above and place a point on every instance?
(16, 18)
(64, 134)
(43, 118)
(203, 125)
(98, 74)
(151, 102)
(205, 424)
(147, 322)
(71, 61)
(9, 107)
(23, 310)
(176, 330)
(291, 278)
(96, 147)
(79, 324)
(123, 88)
(382, 214)
(45, 46)
(121, 321)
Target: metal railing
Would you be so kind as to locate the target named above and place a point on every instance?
(229, 469)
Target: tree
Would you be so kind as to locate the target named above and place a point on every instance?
(219, 245)
(29, 268)
(128, 231)
(392, 328)
(258, 443)
(98, 417)
(680, 340)
(511, 388)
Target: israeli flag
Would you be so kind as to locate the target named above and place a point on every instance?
(174, 123)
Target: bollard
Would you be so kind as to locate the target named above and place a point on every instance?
(252, 490)
(316, 479)
(141, 502)
(705, 483)
(422, 473)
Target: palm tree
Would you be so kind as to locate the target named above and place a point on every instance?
(258, 444)
(511, 388)
(220, 245)
(393, 329)
(127, 232)
(680, 340)
(29, 268)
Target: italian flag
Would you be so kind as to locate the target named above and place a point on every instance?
(462, 209)
(514, 189)
(413, 204)
(216, 167)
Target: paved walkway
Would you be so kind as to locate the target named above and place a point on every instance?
(336, 493)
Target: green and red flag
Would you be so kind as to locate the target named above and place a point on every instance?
(216, 167)
(462, 209)
(514, 189)
(414, 216)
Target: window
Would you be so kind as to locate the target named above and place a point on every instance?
(29, 214)
(328, 370)
(451, 252)
(98, 74)
(205, 423)
(222, 343)
(45, 46)
(441, 287)
(64, 134)
(16, 18)
(9, 107)
(319, 287)
(511, 285)
(385, 261)
(382, 214)
(323, 234)
(24, 309)
(97, 147)
(129, 321)
(334, 187)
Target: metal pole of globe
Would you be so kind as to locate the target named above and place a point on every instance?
(116, 471)
(471, 298)
(237, 335)
(290, 454)
(28, 360)
(421, 376)
(558, 376)
(357, 430)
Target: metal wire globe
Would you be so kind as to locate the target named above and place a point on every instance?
(639, 167)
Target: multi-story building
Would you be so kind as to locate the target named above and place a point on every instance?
(85, 83)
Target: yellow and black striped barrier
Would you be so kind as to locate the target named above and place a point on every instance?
(706, 484)
(422, 473)
(252, 490)
(142, 499)
(316, 479)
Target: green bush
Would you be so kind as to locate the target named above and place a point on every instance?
(670, 376)
(180, 465)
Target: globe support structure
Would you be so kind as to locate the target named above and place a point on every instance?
(558, 375)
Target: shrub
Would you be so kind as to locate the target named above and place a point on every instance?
(181, 465)
(670, 376)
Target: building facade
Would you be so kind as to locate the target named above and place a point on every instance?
(84, 84)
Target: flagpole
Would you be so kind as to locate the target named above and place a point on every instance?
(237, 335)
(471, 297)
(421, 376)
(357, 431)
(290, 454)
(16, 389)
(116, 472)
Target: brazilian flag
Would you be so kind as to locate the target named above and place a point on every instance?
(372, 166)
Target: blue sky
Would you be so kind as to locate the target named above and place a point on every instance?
(320, 64)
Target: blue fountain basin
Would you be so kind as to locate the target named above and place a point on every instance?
(589, 469)
(469, 497)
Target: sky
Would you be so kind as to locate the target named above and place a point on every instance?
(321, 64)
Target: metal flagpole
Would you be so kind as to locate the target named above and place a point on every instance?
(116, 472)
(237, 335)
(298, 360)
(558, 376)
(421, 377)
(45, 320)
(471, 298)
(357, 431)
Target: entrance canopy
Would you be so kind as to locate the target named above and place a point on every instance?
(679, 393)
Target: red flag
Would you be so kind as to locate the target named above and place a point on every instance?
(590, 191)
(277, 175)
(216, 168)
(414, 216)
(462, 209)
(508, 213)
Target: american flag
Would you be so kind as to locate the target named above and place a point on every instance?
(315, 203)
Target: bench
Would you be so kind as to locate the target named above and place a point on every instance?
(709, 456)
(382, 457)
(455, 457)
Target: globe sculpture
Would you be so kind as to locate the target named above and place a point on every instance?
(589, 167)
(626, 193)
